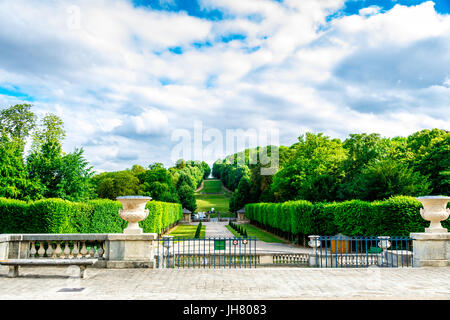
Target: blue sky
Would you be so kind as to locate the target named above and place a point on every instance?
(194, 8)
(126, 75)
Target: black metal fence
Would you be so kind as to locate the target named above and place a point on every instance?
(180, 252)
(351, 252)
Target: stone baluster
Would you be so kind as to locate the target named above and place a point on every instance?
(49, 251)
(32, 249)
(58, 250)
(101, 250)
(75, 250)
(41, 250)
(66, 250)
(83, 250)
(96, 250)
(92, 250)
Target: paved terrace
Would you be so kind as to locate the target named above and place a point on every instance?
(207, 284)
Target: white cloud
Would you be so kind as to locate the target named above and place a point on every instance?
(121, 91)
(369, 11)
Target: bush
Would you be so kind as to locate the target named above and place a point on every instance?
(13, 215)
(198, 231)
(105, 217)
(95, 216)
(397, 216)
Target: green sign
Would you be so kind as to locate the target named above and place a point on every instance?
(219, 245)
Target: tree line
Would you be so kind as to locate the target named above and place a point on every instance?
(176, 184)
(45, 171)
(364, 166)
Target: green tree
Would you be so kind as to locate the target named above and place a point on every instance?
(14, 180)
(387, 178)
(157, 183)
(187, 197)
(17, 121)
(431, 150)
(111, 185)
(313, 172)
(363, 150)
(242, 194)
(76, 184)
(58, 175)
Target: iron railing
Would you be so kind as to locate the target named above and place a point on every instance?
(351, 252)
(181, 252)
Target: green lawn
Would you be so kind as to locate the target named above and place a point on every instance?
(187, 231)
(220, 202)
(217, 201)
(253, 231)
(212, 186)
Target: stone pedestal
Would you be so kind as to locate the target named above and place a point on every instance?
(130, 251)
(431, 249)
(4, 246)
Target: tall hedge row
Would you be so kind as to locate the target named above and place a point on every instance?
(397, 216)
(161, 216)
(95, 216)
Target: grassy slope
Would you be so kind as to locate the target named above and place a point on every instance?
(187, 231)
(220, 202)
(212, 186)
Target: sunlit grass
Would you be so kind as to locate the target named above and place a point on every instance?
(207, 201)
(212, 186)
(187, 231)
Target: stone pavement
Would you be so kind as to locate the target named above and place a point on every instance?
(217, 229)
(209, 284)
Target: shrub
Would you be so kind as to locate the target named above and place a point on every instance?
(13, 215)
(397, 216)
(95, 216)
(198, 231)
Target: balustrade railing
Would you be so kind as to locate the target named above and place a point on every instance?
(342, 252)
(51, 249)
(57, 246)
(291, 259)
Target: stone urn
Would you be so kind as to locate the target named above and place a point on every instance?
(314, 241)
(434, 210)
(133, 211)
(384, 242)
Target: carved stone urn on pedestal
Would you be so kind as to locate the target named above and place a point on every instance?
(133, 211)
(434, 210)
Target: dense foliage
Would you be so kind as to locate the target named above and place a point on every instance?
(46, 171)
(176, 184)
(293, 219)
(363, 166)
(94, 216)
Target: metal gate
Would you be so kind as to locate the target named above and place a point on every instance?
(179, 252)
(359, 252)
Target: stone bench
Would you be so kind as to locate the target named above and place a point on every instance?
(15, 263)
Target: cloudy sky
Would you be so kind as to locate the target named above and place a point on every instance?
(125, 75)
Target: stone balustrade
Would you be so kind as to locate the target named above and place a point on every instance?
(111, 250)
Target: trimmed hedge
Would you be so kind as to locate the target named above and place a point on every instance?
(95, 216)
(397, 216)
(161, 216)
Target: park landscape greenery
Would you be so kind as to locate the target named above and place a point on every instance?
(363, 185)
(318, 168)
